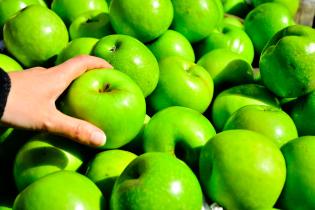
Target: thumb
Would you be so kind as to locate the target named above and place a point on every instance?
(77, 130)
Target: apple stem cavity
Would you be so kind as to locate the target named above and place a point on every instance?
(105, 89)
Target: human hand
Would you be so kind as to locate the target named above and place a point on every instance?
(31, 103)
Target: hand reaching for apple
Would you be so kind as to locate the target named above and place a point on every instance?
(31, 101)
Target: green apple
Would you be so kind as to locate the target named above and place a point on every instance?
(185, 131)
(45, 154)
(230, 100)
(287, 62)
(273, 122)
(61, 190)
(195, 19)
(144, 20)
(79, 46)
(242, 169)
(8, 64)
(69, 10)
(156, 181)
(91, 24)
(106, 167)
(264, 21)
(132, 57)
(172, 43)
(299, 187)
(110, 100)
(8, 8)
(292, 5)
(227, 69)
(230, 37)
(5, 208)
(32, 40)
(302, 112)
(181, 83)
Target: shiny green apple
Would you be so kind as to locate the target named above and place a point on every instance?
(8, 8)
(195, 19)
(229, 37)
(185, 131)
(230, 100)
(242, 169)
(131, 57)
(45, 154)
(91, 24)
(61, 190)
(110, 100)
(264, 21)
(172, 43)
(69, 10)
(227, 69)
(267, 120)
(156, 181)
(106, 167)
(39, 43)
(144, 20)
(181, 83)
(299, 187)
(287, 63)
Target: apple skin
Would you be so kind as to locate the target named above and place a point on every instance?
(273, 122)
(232, 20)
(106, 167)
(110, 100)
(131, 57)
(299, 187)
(91, 24)
(8, 64)
(242, 169)
(185, 131)
(145, 22)
(227, 69)
(156, 181)
(69, 10)
(172, 43)
(44, 154)
(195, 19)
(236, 7)
(32, 46)
(230, 37)
(230, 100)
(61, 190)
(79, 46)
(8, 8)
(264, 21)
(181, 83)
(292, 5)
(302, 111)
(136, 145)
(287, 62)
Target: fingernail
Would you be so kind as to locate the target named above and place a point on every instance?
(99, 138)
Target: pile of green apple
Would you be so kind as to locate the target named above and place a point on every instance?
(208, 102)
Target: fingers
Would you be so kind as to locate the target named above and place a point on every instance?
(74, 67)
(77, 130)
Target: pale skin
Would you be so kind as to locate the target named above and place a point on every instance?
(31, 103)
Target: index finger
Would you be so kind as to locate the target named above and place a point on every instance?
(74, 67)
